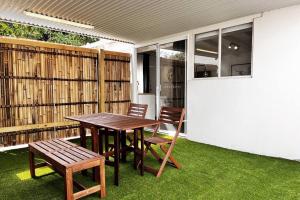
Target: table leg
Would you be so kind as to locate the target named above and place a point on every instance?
(82, 137)
(117, 153)
(95, 140)
(142, 152)
(101, 134)
(95, 148)
(106, 143)
(123, 144)
(135, 147)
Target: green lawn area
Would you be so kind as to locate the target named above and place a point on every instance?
(208, 173)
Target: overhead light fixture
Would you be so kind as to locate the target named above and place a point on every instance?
(54, 19)
(207, 51)
(233, 46)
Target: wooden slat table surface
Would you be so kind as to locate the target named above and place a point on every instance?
(119, 123)
(114, 121)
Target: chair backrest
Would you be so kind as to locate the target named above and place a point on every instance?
(172, 115)
(137, 110)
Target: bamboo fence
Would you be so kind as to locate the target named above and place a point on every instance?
(117, 82)
(41, 83)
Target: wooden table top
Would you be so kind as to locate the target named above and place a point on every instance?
(114, 121)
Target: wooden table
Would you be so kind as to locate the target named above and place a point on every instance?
(118, 123)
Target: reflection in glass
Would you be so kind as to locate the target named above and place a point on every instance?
(206, 55)
(172, 74)
(172, 77)
(236, 51)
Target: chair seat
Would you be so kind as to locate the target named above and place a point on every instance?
(158, 140)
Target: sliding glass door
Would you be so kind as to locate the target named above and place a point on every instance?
(172, 76)
(161, 76)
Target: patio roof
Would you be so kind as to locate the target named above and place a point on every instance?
(135, 20)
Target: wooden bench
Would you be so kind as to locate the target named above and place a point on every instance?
(67, 158)
(11, 132)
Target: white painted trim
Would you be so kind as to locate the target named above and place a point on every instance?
(221, 78)
(190, 56)
(134, 77)
(158, 85)
(219, 52)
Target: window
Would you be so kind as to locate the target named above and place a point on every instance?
(206, 54)
(235, 51)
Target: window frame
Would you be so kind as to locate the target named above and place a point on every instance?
(220, 52)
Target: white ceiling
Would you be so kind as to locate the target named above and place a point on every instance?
(137, 20)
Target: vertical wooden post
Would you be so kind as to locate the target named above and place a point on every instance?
(101, 82)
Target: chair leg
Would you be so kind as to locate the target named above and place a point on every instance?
(172, 159)
(155, 154)
(165, 160)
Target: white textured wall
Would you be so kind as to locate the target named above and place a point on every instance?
(261, 114)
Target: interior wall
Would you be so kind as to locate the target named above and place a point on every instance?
(140, 77)
(260, 114)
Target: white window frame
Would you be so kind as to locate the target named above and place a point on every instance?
(220, 29)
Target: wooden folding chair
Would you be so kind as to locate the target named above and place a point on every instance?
(168, 115)
(134, 110)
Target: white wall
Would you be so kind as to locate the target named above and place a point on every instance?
(260, 114)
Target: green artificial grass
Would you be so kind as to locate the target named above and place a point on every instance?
(207, 173)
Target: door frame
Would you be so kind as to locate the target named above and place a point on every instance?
(158, 67)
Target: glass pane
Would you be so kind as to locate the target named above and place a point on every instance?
(172, 77)
(206, 55)
(172, 74)
(236, 51)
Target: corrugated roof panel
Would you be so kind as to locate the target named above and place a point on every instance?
(137, 20)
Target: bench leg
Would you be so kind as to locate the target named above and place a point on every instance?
(31, 164)
(102, 179)
(69, 185)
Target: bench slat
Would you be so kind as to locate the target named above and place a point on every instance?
(63, 157)
(82, 153)
(71, 151)
(71, 156)
(64, 143)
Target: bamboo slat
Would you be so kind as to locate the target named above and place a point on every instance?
(41, 83)
(117, 81)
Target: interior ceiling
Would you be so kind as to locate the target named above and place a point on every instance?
(136, 20)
